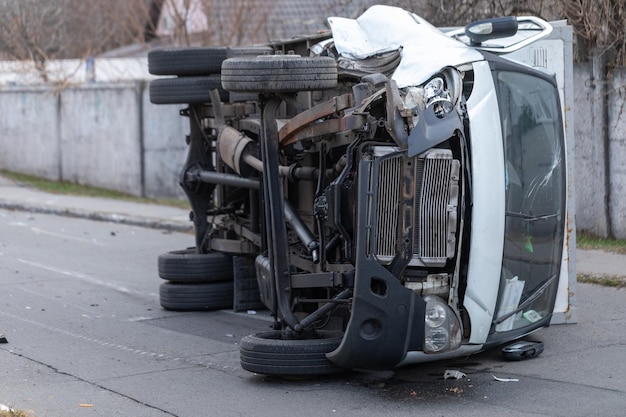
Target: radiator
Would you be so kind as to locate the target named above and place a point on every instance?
(435, 205)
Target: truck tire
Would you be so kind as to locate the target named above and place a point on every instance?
(268, 353)
(279, 74)
(186, 61)
(185, 90)
(189, 266)
(195, 297)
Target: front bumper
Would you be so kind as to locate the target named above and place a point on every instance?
(387, 318)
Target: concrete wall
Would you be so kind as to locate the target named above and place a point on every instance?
(591, 213)
(164, 148)
(99, 121)
(600, 149)
(29, 131)
(617, 152)
(106, 135)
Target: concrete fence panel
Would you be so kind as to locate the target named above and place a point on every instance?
(165, 149)
(589, 149)
(29, 131)
(101, 136)
(617, 151)
(106, 135)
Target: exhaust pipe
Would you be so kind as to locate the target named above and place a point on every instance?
(233, 146)
(238, 152)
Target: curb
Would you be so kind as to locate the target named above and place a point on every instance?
(100, 216)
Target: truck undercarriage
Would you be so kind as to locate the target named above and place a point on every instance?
(343, 201)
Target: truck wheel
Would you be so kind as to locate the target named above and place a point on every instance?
(189, 266)
(268, 353)
(279, 74)
(193, 297)
(185, 90)
(186, 61)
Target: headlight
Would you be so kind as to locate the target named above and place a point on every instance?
(437, 96)
(441, 93)
(441, 106)
(442, 330)
(435, 314)
(436, 339)
(433, 88)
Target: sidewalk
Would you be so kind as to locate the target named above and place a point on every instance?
(600, 263)
(14, 196)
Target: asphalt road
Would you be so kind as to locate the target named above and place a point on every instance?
(87, 337)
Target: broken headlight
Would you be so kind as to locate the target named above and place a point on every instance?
(441, 92)
(442, 329)
(438, 97)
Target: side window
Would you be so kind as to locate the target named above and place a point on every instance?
(535, 198)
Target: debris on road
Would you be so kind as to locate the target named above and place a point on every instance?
(453, 374)
(522, 350)
(505, 379)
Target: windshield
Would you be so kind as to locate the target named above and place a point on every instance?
(535, 198)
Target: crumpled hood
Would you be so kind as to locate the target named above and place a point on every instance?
(425, 49)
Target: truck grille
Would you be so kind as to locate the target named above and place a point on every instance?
(435, 206)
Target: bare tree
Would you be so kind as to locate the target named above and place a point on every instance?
(459, 13)
(100, 25)
(215, 22)
(40, 30)
(177, 14)
(599, 24)
(29, 29)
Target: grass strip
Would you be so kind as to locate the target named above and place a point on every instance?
(604, 280)
(586, 240)
(69, 188)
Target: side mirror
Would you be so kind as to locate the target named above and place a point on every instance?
(483, 30)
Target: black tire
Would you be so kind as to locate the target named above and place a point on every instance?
(267, 353)
(194, 297)
(279, 74)
(185, 90)
(186, 61)
(189, 266)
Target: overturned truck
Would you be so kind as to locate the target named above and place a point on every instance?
(393, 194)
